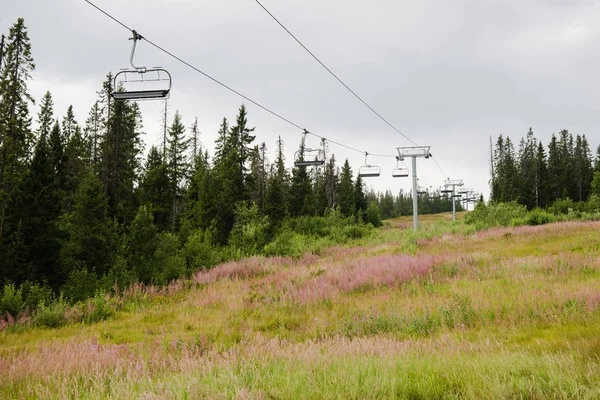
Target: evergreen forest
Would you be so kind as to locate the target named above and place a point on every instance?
(86, 208)
(534, 177)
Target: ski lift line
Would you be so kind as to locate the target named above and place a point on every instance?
(197, 69)
(342, 82)
(334, 75)
(228, 87)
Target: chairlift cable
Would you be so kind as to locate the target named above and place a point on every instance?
(334, 75)
(340, 81)
(228, 87)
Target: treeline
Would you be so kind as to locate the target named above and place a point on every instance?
(534, 177)
(82, 208)
(391, 206)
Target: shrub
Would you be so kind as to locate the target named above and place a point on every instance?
(565, 206)
(495, 214)
(288, 244)
(373, 216)
(249, 231)
(120, 275)
(80, 285)
(199, 252)
(35, 294)
(169, 262)
(538, 217)
(52, 315)
(11, 301)
(98, 308)
(593, 204)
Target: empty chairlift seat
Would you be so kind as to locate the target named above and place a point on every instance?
(309, 158)
(400, 172)
(141, 83)
(148, 84)
(369, 171)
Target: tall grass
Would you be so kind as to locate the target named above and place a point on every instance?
(449, 312)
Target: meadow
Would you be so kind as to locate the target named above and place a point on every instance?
(451, 312)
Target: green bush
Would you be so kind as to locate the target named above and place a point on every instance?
(566, 206)
(373, 216)
(52, 315)
(593, 204)
(199, 251)
(496, 214)
(287, 244)
(11, 301)
(98, 309)
(120, 275)
(80, 285)
(35, 294)
(539, 217)
(168, 260)
(357, 231)
(249, 231)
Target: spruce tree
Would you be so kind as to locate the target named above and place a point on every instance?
(121, 149)
(155, 191)
(527, 170)
(555, 183)
(92, 233)
(178, 166)
(35, 210)
(15, 133)
(347, 192)
(76, 158)
(360, 200)
(94, 127)
(300, 194)
(276, 194)
(541, 177)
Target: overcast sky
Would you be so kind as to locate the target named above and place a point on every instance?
(446, 74)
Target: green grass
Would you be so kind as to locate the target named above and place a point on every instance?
(504, 313)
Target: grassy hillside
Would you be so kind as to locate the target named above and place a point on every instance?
(447, 313)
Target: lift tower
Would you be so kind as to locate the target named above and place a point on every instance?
(453, 183)
(414, 152)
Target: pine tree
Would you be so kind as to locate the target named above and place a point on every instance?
(94, 127)
(276, 193)
(15, 133)
(36, 207)
(541, 177)
(154, 192)
(121, 149)
(178, 166)
(76, 158)
(300, 194)
(92, 234)
(554, 171)
(257, 179)
(242, 139)
(566, 162)
(141, 244)
(583, 171)
(347, 192)
(527, 172)
(200, 205)
(360, 200)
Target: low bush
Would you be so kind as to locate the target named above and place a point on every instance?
(52, 315)
(11, 301)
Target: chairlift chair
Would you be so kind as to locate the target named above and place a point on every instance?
(307, 157)
(399, 172)
(148, 84)
(369, 171)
